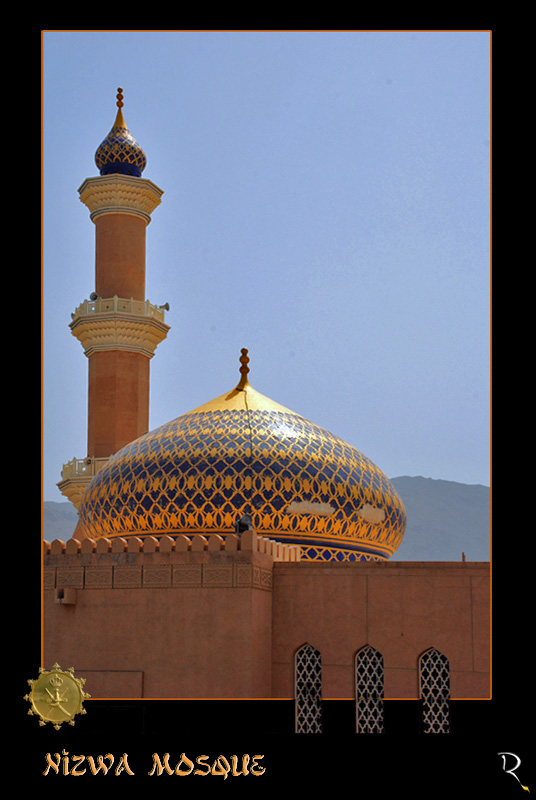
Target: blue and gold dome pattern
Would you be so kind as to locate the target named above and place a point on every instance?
(243, 454)
(120, 152)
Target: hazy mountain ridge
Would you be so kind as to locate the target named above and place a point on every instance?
(445, 519)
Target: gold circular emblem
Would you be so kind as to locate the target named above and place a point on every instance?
(56, 696)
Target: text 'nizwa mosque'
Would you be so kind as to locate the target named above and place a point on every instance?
(238, 551)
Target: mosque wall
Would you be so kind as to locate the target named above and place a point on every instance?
(399, 608)
(163, 617)
(204, 617)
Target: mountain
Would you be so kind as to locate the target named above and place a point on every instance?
(59, 520)
(445, 519)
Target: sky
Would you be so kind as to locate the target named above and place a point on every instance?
(326, 205)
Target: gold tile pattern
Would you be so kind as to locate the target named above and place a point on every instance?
(244, 454)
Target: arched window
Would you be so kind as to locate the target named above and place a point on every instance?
(369, 690)
(308, 690)
(434, 691)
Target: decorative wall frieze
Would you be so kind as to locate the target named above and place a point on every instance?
(160, 576)
(120, 194)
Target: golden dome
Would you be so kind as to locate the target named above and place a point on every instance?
(243, 454)
(120, 152)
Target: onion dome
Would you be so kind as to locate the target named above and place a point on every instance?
(243, 454)
(120, 152)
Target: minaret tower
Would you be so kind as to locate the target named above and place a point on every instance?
(117, 327)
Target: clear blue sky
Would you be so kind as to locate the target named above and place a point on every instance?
(326, 205)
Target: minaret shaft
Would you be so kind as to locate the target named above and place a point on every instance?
(118, 400)
(120, 256)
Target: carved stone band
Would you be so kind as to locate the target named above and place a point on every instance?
(119, 331)
(120, 194)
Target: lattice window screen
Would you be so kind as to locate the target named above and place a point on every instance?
(369, 690)
(308, 690)
(434, 691)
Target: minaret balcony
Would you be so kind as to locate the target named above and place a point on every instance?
(117, 323)
(76, 475)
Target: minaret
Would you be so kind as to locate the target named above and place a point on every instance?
(117, 327)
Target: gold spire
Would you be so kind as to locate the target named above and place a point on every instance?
(243, 397)
(244, 369)
(119, 120)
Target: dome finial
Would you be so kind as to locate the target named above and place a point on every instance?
(244, 369)
(119, 103)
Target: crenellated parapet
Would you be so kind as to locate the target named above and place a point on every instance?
(162, 562)
(248, 541)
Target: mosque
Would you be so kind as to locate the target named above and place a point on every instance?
(240, 550)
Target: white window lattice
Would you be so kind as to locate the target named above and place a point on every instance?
(369, 690)
(434, 691)
(308, 690)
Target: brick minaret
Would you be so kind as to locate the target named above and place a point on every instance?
(117, 327)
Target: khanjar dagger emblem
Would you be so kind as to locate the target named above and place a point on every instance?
(56, 696)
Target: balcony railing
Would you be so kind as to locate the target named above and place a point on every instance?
(83, 467)
(141, 308)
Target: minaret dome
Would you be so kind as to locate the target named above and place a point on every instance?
(120, 152)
